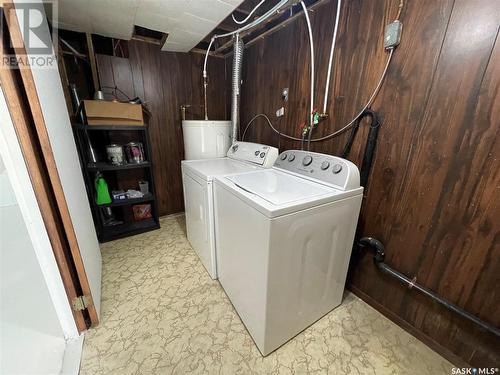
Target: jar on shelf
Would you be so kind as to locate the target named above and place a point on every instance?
(134, 152)
(115, 154)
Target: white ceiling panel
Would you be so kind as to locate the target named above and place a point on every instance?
(174, 47)
(210, 11)
(187, 22)
(197, 24)
(183, 36)
(235, 3)
(74, 14)
(156, 21)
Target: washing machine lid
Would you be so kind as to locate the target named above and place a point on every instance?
(206, 169)
(275, 193)
(278, 188)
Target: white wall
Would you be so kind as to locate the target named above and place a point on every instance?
(51, 97)
(36, 321)
(31, 337)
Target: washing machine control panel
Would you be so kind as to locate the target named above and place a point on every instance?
(253, 152)
(329, 169)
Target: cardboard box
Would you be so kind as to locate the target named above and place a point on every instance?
(102, 112)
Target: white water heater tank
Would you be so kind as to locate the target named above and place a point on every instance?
(206, 139)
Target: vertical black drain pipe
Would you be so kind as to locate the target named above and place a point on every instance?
(371, 144)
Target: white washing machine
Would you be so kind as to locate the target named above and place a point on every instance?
(197, 177)
(284, 239)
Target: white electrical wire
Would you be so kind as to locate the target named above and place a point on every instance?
(249, 15)
(269, 123)
(334, 38)
(265, 16)
(311, 45)
(337, 132)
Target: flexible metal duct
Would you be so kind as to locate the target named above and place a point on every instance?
(236, 83)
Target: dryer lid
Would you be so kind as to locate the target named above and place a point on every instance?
(277, 187)
(206, 169)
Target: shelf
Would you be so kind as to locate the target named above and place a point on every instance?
(119, 175)
(101, 166)
(110, 127)
(128, 229)
(124, 202)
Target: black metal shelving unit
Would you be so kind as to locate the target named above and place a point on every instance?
(117, 177)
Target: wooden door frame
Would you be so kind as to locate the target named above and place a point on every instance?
(24, 106)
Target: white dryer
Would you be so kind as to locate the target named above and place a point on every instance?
(284, 239)
(197, 177)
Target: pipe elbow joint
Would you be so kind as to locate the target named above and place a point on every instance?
(376, 245)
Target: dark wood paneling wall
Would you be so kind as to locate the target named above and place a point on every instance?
(432, 198)
(165, 81)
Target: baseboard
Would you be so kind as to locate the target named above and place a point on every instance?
(438, 348)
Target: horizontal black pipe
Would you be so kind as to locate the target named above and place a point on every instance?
(379, 262)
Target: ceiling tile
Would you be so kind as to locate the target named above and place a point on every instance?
(175, 47)
(184, 36)
(197, 24)
(155, 21)
(186, 21)
(74, 13)
(210, 9)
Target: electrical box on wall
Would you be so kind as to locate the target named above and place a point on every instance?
(392, 35)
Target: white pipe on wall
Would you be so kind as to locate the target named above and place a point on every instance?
(330, 61)
(311, 46)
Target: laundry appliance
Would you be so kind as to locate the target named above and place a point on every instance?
(284, 239)
(197, 177)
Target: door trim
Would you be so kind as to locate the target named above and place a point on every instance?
(37, 151)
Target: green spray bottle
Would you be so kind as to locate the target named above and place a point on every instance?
(101, 188)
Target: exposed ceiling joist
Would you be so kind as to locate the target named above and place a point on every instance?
(275, 22)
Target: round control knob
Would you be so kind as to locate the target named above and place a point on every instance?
(325, 165)
(307, 160)
(257, 153)
(235, 148)
(262, 154)
(291, 157)
(283, 156)
(336, 168)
